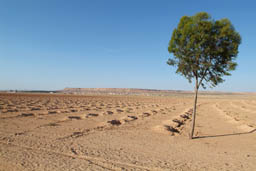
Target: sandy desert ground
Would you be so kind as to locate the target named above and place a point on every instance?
(67, 132)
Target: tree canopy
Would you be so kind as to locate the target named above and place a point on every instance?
(204, 49)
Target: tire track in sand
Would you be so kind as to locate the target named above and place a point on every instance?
(103, 163)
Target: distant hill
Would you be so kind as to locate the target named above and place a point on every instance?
(135, 91)
(127, 91)
(120, 91)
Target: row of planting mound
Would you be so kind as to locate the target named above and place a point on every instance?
(177, 125)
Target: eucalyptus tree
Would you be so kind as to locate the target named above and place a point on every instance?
(204, 50)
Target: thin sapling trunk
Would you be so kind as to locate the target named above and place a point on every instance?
(194, 112)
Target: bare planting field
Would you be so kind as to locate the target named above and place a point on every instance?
(67, 132)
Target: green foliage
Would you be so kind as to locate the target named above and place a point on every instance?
(204, 49)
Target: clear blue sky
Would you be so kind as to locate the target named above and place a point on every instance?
(53, 44)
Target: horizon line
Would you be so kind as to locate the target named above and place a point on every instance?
(211, 91)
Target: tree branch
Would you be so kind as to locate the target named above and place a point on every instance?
(201, 80)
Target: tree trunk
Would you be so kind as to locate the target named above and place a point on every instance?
(194, 112)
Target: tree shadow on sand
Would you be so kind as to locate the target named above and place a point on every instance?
(224, 135)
